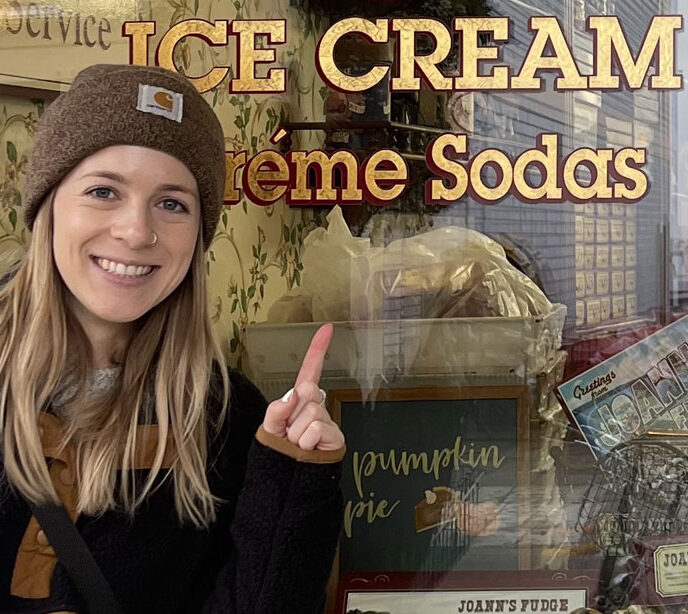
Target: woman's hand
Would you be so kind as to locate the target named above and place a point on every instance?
(300, 416)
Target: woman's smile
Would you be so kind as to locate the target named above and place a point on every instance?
(120, 269)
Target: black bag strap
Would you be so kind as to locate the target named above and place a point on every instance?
(76, 557)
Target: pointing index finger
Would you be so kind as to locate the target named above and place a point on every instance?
(311, 367)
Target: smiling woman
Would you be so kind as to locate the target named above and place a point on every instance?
(191, 492)
(123, 238)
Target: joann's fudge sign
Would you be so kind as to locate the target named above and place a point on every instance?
(434, 479)
(468, 602)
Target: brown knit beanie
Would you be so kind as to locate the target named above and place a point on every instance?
(129, 105)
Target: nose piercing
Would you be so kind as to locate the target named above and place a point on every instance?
(155, 239)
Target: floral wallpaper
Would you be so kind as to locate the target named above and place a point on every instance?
(256, 254)
(18, 118)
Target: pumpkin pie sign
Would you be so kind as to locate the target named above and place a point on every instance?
(434, 479)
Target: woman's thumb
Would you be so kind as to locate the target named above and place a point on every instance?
(278, 412)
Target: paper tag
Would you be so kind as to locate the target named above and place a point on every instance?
(159, 101)
(671, 570)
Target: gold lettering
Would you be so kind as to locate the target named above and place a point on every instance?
(249, 55)
(624, 165)
(403, 462)
(365, 468)
(489, 456)
(328, 69)
(548, 32)
(233, 162)
(376, 171)
(596, 161)
(492, 157)
(369, 510)
(435, 189)
(610, 40)
(215, 34)
(268, 168)
(138, 33)
(426, 63)
(324, 167)
(472, 53)
(546, 162)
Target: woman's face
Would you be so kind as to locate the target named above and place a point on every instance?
(104, 215)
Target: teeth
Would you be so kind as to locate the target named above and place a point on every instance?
(122, 269)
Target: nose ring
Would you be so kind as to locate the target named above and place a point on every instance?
(155, 239)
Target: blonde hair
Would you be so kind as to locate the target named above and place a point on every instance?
(170, 355)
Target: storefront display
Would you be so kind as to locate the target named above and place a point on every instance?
(505, 265)
(401, 367)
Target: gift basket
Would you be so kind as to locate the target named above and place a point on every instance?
(442, 302)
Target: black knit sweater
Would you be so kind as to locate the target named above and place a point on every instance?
(270, 551)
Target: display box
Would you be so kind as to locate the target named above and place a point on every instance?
(593, 311)
(602, 229)
(605, 308)
(602, 256)
(618, 256)
(589, 283)
(662, 563)
(618, 282)
(618, 306)
(413, 346)
(617, 230)
(603, 283)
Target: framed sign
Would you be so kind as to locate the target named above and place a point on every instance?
(435, 479)
(538, 592)
(44, 45)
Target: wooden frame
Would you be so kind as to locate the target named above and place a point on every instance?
(21, 91)
(337, 400)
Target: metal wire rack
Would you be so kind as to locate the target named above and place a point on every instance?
(638, 490)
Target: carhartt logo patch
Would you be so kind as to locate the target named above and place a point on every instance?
(159, 101)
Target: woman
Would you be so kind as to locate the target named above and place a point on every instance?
(192, 493)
